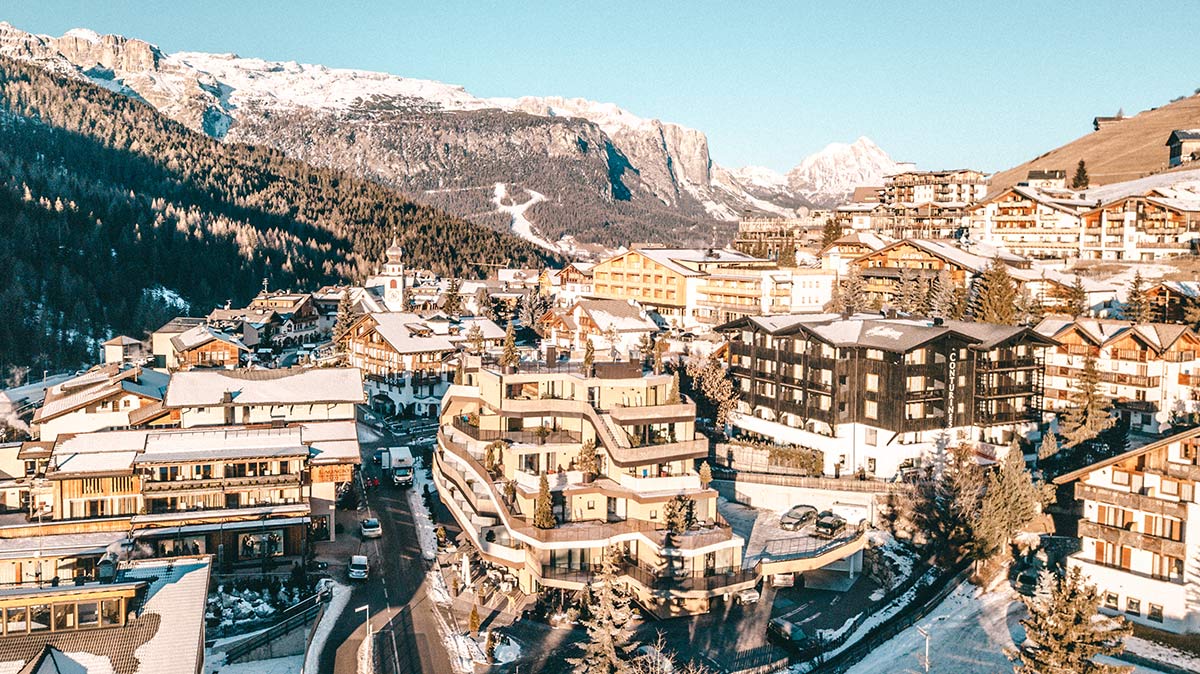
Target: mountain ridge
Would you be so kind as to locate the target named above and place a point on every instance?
(637, 168)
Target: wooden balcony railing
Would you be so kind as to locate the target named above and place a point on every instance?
(1125, 499)
(1133, 539)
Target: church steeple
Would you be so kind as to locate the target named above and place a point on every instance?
(394, 252)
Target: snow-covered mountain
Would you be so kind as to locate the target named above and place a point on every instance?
(597, 165)
(829, 176)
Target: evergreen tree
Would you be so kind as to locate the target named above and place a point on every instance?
(483, 303)
(1011, 501)
(543, 508)
(660, 350)
(1080, 181)
(473, 622)
(941, 510)
(1063, 632)
(1049, 446)
(706, 476)
(452, 303)
(911, 293)
(1137, 304)
(1191, 312)
(830, 233)
(459, 372)
(853, 291)
(713, 386)
(680, 514)
(341, 325)
(475, 339)
(489, 646)
(995, 296)
(589, 356)
(608, 647)
(1072, 299)
(942, 300)
(787, 253)
(674, 397)
(510, 357)
(532, 307)
(588, 461)
(1115, 438)
(1088, 411)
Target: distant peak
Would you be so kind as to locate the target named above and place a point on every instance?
(85, 34)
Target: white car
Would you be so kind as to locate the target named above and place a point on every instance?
(358, 568)
(370, 528)
(746, 596)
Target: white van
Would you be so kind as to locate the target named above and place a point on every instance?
(358, 568)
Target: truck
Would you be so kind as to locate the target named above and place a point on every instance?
(400, 465)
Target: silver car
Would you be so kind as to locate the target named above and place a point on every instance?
(798, 517)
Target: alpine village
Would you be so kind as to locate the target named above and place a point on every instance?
(300, 380)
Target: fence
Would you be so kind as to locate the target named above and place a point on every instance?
(296, 615)
(924, 601)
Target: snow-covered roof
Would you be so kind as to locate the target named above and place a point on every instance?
(887, 334)
(296, 386)
(222, 443)
(674, 258)
(618, 315)
(410, 333)
(1101, 331)
(178, 593)
(201, 335)
(487, 326)
(1185, 288)
(98, 384)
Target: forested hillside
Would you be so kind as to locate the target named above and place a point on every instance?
(107, 208)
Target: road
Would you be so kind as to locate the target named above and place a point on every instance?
(407, 637)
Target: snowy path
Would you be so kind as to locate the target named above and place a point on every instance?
(968, 634)
(521, 226)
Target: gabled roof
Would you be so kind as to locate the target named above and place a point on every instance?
(122, 340)
(409, 333)
(1101, 331)
(674, 258)
(1185, 288)
(941, 249)
(618, 315)
(1180, 135)
(98, 384)
(201, 335)
(1138, 451)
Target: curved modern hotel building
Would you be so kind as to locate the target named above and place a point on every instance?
(506, 428)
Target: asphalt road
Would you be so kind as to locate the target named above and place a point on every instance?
(406, 638)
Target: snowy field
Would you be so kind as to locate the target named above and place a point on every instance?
(968, 635)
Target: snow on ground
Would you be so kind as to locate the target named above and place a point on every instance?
(521, 226)
(368, 434)
(292, 664)
(1162, 653)
(507, 651)
(421, 515)
(437, 588)
(341, 597)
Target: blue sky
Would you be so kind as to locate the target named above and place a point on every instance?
(942, 84)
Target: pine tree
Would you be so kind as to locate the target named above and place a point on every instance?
(453, 301)
(588, 461)
(543, 508)
(1115, 438)
(1030, 310)
(589, 356)
(459, 372)
(1080, 181)
(660, 350)
(1072, 299)
(995, 296)
(1049, 446)
(787, 253)
(1063, 632)
(1011, 501)
(942, 509)
(510, 357)
(706, 477)
(709, 380)
(674, 397)
(475, 339)
(609, 645)
(1088, 411)
(341, 325)
(489, 646)
(483, 303)
(473, 622)
(942, 300)
(1137, 304)
(853, 291)
(911, 293)
(830, 232)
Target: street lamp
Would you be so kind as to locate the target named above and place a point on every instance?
(366, 608)
(925, 633)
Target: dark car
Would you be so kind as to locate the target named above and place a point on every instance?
(797, 518)
(829, 525)
(789, 633)
(377, 457)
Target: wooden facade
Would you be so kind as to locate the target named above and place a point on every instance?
(634, 276)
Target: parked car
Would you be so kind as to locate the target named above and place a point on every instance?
(377, 457)
(358, 568)
(783, 580)
(746, 596)
(798, 517)
(789, 633)
(829, 525)
(370, 528)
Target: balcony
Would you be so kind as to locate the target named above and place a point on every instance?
(673, 483)
(529, 437)
(653, 413)
(220, 484)
(1125, 499)
(714, 581)
(1133, 539)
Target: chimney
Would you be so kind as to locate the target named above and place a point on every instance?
(938, 321)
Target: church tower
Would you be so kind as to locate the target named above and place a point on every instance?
(393, 277)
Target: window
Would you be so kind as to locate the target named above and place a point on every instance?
(1133, 606)
(871, 409)
(1155, 613)
(1120, 477)
(872, 381)
(89, 614)
(1170, 487)
(1110, 600)
(874, 354)
(64, 617)
(39, 617)
(110, 612)
(14, 620)
(871, 437)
